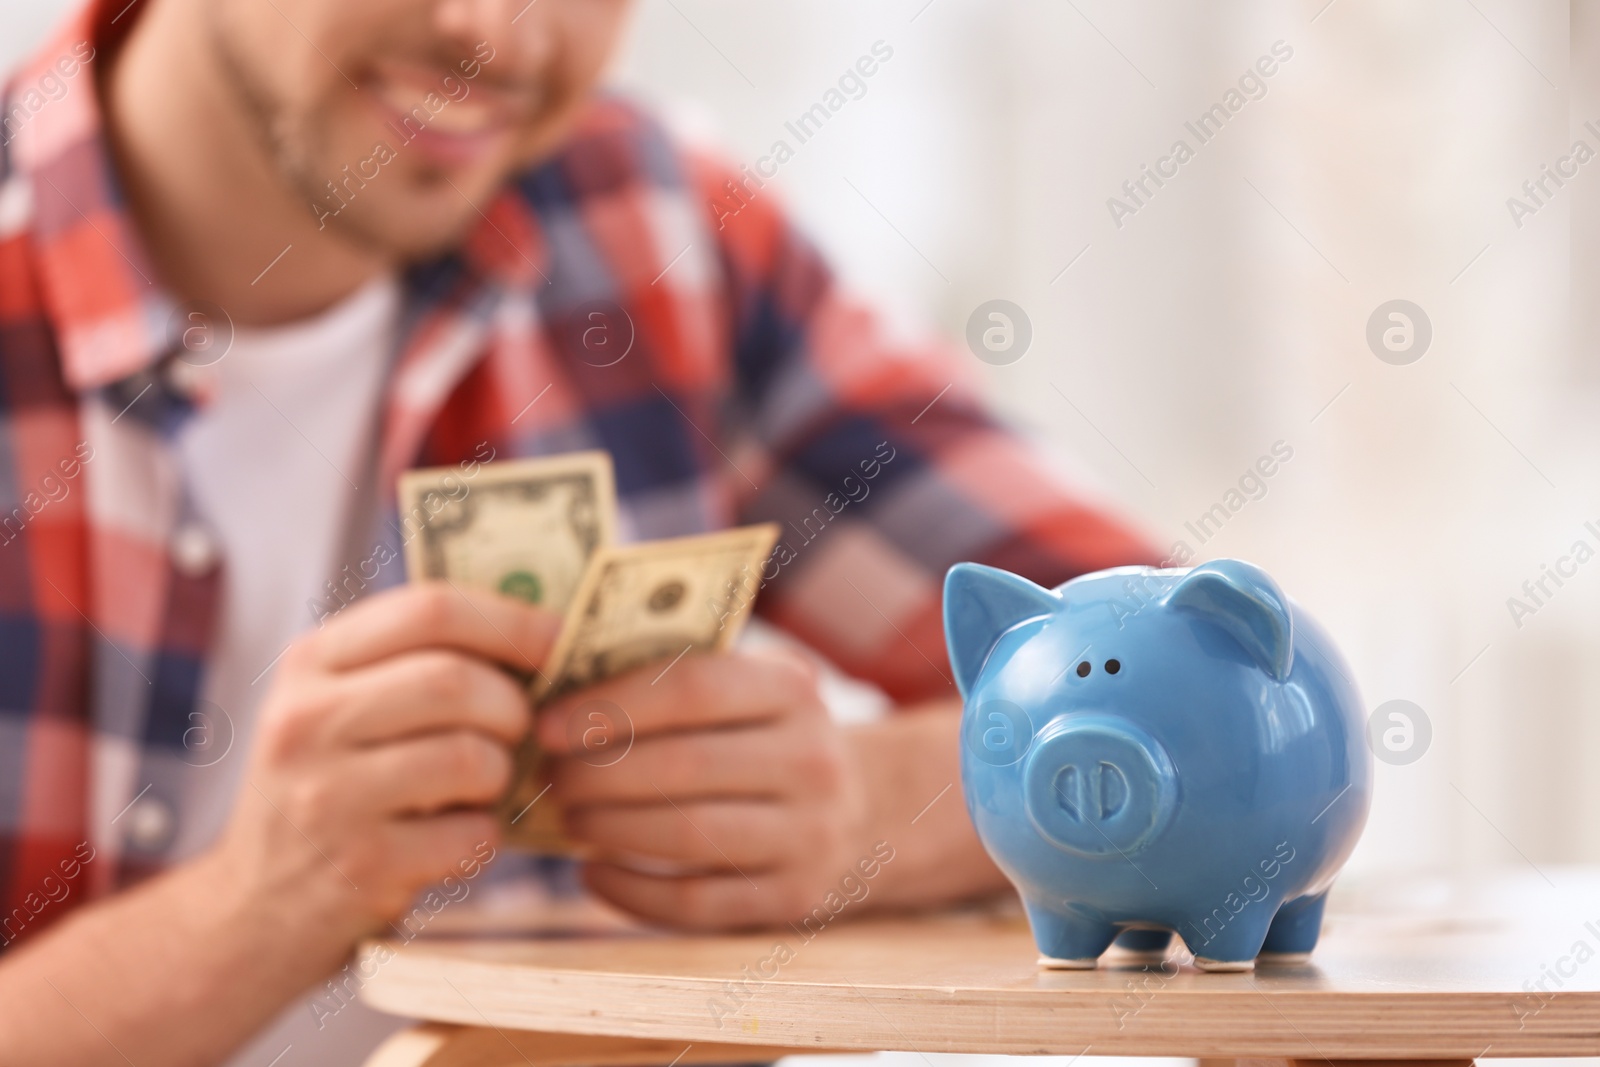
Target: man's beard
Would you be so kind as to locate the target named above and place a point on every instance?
(289, 143)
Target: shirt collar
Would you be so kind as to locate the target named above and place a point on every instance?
(97, 281)
(111, 317)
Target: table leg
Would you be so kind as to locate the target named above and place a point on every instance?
(443, 1045)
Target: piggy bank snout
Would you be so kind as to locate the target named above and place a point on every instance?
(1098, 785)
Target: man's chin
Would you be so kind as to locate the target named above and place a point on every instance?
(401, 232)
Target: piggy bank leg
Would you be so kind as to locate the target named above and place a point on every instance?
(1068, 939)
(1295, 930)
(1235, 945)
(1144, 945)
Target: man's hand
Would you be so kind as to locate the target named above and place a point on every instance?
(384, 739)
(739, 802)
(380, 745)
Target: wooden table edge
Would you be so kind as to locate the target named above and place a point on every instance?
(434, 1044)
(784, 1013)
(446, 1045)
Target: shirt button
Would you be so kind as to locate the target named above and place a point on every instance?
(186, 379)
(150, 824)
(194, 550)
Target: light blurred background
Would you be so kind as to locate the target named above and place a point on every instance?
(1230, 313)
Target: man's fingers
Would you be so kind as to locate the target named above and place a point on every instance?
(697, 691)
(428, 849)
(697, 902)
(715, 836)
(427, 774)
(426, 691)
(761, 761)
(437, 615)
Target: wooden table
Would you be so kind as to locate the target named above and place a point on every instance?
(1406, 971)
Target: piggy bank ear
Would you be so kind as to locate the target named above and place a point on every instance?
(980, 604)
(1244, 600)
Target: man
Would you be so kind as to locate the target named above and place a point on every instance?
(215, 777)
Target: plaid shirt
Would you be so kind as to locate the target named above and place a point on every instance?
(753, 389)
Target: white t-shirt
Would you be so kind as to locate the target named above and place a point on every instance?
(279, 466)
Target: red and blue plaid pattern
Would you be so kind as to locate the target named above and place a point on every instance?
(753, 389)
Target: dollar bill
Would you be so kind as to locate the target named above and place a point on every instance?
(639, 604)
(656, 600)
(542, 530)
(526, 528)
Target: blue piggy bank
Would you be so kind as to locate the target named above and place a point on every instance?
(1148, 752)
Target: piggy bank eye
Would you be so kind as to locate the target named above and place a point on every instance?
(1084, 669)
(1113, 666)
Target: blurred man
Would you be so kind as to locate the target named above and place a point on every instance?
(259, 256)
